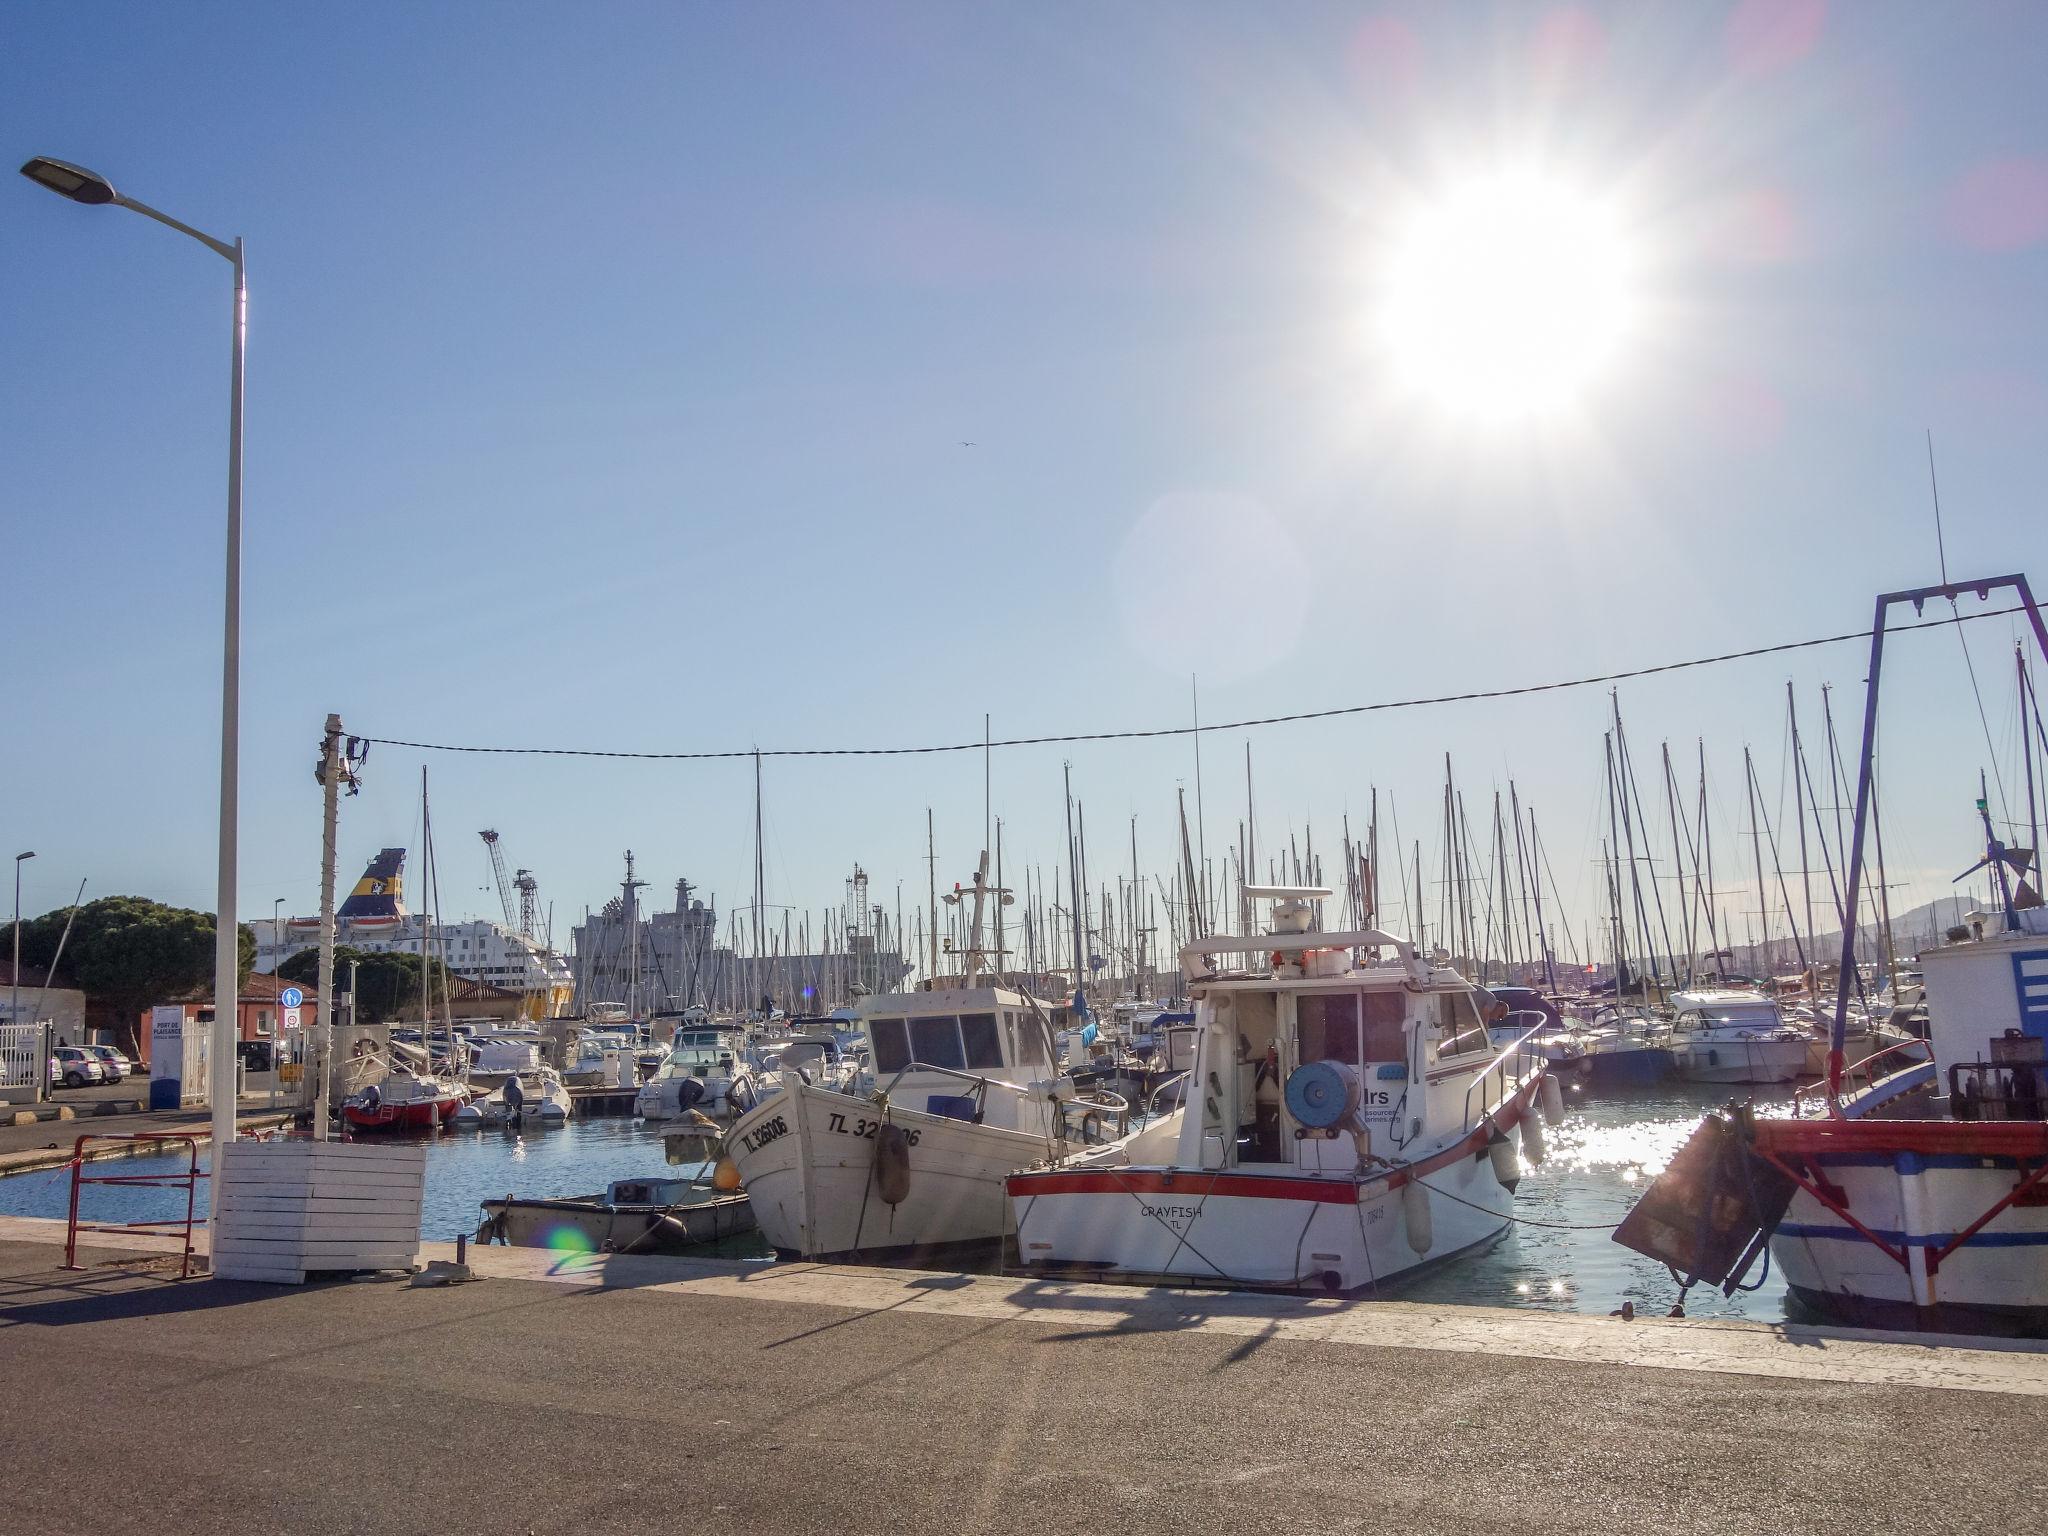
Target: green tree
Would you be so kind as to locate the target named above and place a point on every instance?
(127, 953)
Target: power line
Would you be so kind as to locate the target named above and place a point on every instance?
(984, 745)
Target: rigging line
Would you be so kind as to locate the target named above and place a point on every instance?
(1941, 551)
(1188, 730)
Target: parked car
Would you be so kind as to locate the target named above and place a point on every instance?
(76, 1067)
(117, 1064)
(257, 1055)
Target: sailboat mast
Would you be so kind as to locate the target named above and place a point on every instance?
(931, 864)
(1799, 806)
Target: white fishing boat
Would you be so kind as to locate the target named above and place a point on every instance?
(965, 1095)
(525, 1099)
(1733, 1037)
(1347, 1120)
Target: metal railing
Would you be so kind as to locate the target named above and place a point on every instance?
(1073, 1113)
(188, 1180)
(1521, 1054)
(1861, 1075)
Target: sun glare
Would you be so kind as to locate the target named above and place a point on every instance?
(1509, 296)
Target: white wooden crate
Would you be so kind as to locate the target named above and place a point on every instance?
(291, 1208)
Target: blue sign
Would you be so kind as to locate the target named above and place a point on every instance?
(290, 997)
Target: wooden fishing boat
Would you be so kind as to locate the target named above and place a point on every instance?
(631, 1216)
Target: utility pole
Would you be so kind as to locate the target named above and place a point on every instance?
(331, 771)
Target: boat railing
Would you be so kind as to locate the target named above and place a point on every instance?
(1861, 1076)
(1159, 1092)
(1085, 1120)
(1502, 1076)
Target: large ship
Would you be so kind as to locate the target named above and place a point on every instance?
(374, 918)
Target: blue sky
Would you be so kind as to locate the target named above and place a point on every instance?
(610, 366)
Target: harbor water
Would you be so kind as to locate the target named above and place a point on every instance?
(1557, 1256)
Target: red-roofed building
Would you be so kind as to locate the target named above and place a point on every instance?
(263, 1018)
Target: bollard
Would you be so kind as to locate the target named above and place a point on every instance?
(462, 1247)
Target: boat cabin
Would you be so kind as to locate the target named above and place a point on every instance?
(1987, 1019)
(1722, 1009)
(941, 1051)
(702, 1053)
(1314, 1060)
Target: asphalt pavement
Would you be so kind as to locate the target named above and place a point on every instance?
(670, 1397)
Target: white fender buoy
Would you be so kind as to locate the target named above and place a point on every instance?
(1507, 1163)
(1532, 1140)
(1553, 1098)
(1415, 1216)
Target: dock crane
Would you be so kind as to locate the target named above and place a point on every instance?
(525, 920)
(504, 881)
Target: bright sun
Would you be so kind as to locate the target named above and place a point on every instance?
(1508, 297)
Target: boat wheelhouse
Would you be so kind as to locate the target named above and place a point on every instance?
(1347, 1119)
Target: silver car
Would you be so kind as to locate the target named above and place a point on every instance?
(116, 1064)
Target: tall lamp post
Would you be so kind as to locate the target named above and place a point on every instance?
(94, 190)
(14, 983)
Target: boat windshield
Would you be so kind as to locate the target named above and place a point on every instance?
(1751, 1016)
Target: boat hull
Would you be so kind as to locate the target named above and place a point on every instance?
(1739, 1061)
(1263, 1226)
(597, 1227)
(807, 1157)
(421, 1115)
(1917, 1187)
(1631, 1067)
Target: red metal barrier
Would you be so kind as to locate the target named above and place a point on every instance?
(188, 1180)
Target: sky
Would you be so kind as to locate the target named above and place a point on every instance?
(690, 377)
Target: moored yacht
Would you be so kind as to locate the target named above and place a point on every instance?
(1733, 1037)
(705, 1070)
(1347, 1119)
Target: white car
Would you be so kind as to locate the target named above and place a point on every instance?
(116, 1062)
(76, 1067)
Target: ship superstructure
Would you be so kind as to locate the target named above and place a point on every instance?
(374, 918)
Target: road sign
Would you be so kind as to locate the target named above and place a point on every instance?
(291, 997)
(291, 1018)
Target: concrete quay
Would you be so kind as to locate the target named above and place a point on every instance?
(38, 1144)
(663, 1395)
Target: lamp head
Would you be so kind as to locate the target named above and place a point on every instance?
(20, 856)
(68, 180)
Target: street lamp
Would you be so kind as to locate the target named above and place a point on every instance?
(88, 187)
(14, 983)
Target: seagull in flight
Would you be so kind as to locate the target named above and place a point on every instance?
(965, 444)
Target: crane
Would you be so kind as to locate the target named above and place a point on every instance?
(498, 869)
(529, 901)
